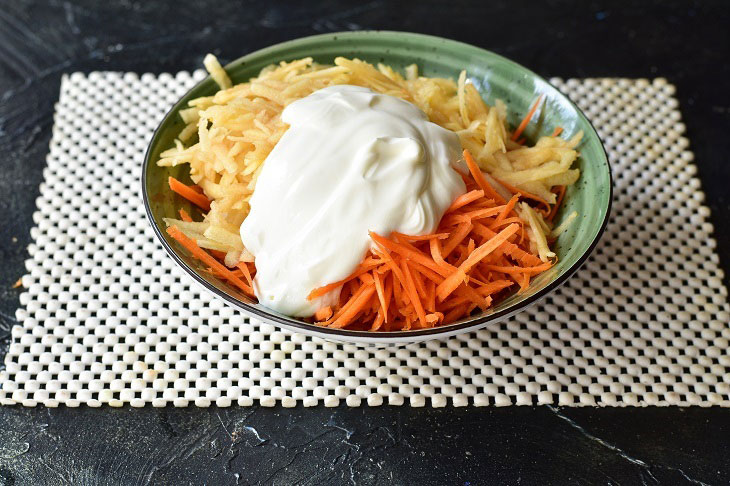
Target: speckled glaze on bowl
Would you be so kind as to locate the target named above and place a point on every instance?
(494, 76)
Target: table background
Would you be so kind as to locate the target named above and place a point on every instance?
(686, 42)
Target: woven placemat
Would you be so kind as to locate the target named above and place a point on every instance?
(107, 317)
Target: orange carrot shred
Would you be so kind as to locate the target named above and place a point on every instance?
(433, 318)
(523, 193)
(524, 282)
(520, 270)
(483, 213)
(397, 292)
(437, 252)
(323, 314)
(426, 272)
(472, 296)
(354, 306)
(558, 202)
(417, 278)
(246, 273)
(185, 216)
(361, 269)
(557, 131)
(465, 199)
(526, 119)
(431, 296)
(381, 294)
(413, 293)
(446, 287)
(507, 208)
(515, 220)
(476, 173)
(189, 193)
(378, 322)
(407, 252)
(388, 292)
(456, 237)
(437, 236)
(455, 313)
(206, 258)
(493, 287)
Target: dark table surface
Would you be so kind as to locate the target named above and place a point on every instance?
(687, 43)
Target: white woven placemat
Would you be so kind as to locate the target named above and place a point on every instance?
(107, 317)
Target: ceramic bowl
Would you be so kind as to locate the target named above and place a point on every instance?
(494, 76)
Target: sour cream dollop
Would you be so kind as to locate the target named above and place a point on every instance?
(352, 161)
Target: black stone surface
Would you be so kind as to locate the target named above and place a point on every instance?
(686, 42)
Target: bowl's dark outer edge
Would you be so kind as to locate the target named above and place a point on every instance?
(367, 335)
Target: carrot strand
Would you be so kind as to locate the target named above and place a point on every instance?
(523, 193)
(465, 199)
(526, 119)
(381, 293)
(246, 273)
(189, 193)
(521, 270)
(361, 269)
(378, 322)
(323, 314)
(207, 259)
(413, 293)
(355, 305)
(462, 231)
(507, 208)
(407, 252)
(185, 216)
(476, 173)
(558, 202)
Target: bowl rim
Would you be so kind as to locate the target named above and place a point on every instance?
(368, 336)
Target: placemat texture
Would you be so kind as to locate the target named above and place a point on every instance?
(107, 317)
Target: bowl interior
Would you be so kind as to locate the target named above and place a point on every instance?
(494, 76)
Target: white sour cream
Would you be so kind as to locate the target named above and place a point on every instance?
(352, 161)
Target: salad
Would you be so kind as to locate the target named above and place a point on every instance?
(357, 197)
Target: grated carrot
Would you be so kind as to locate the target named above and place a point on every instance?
(378, 322)
(461, 232)
(407, 252)
(520, 270)
(185, 216)
(320, 291)
(507, 208)
(526, 119)
(465, 199)
(481, 181)
(523, 193)
(189, 193)
(356, 305)
(413, 293)
(381, 294)
(206, 258)
(554, 210)
(246, 272)
(323, 314)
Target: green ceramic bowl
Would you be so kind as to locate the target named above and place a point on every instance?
(494, 76)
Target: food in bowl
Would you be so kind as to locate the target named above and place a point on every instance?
(341, 193)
